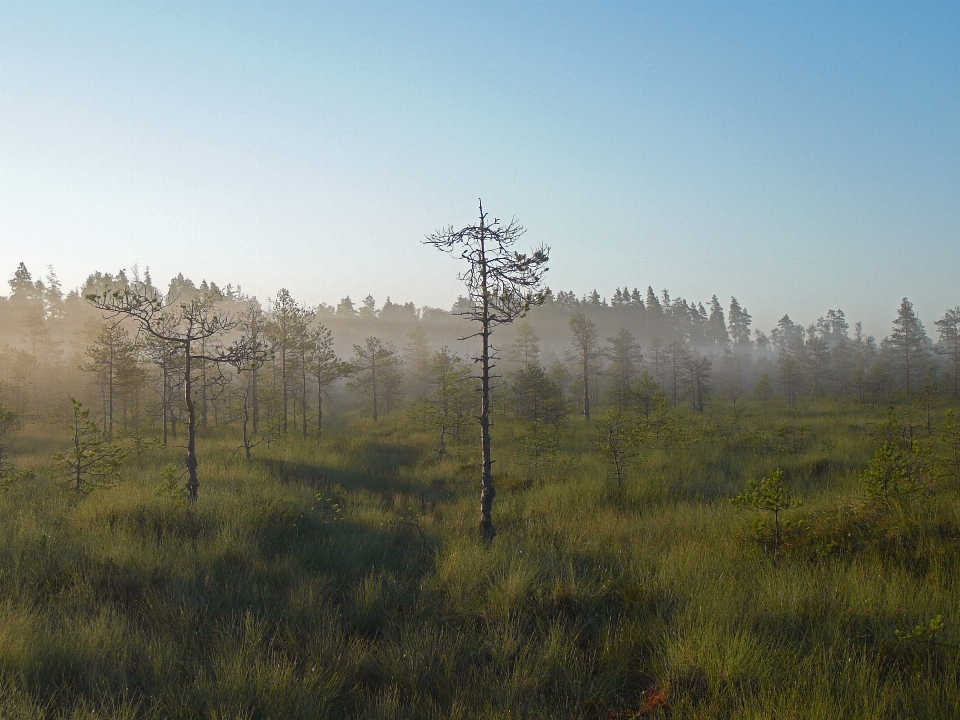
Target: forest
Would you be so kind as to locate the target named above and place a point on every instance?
(224, 507)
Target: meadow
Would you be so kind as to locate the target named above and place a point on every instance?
(346, 579)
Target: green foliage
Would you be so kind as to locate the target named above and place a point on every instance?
(769, 494)
(950, 436)
(92, 461)
(9, 424)
(343, 580)
(794, 438)
(170, 485)
(540, 443)
(901, 467)
(923, 633)
(620, 440)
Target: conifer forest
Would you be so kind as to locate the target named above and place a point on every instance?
(532, 504)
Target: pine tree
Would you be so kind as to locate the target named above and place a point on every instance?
(716, 330)
(112, 347)
(502, 285)
(907, 344)
(287, 331)
(372, 364)
(539, 398)
(418, 357)
(677, 357)
(624, 356)
(697, 370)
(949, 329)
(818, 360)
(9, 424)
(448, 403)
(525, 349)
(325, 368)
(92, 461)
(738, 321)
(186, 325)
(587, 352)
(345, 308)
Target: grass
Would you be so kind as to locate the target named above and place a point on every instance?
(346, 581)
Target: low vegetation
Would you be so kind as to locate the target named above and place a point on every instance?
(213, 511)
(346, 579)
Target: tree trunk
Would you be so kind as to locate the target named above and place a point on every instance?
(165, 403)
(487, 491)
(319, 407)
(283, 383)
(111, 382)
(203, 386)
(256, 407)
(193, 482)
(76, 445)
(586, 381)
(303, 395)
(373, 381)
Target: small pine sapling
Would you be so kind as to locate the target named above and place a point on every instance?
(170, 485)
(620, 439)
(9, 423)
(770, 494)
(923, 641)
(93, 461)
(795, 438)
(950, 435)
(540, 442)
(900, 467)
(923, 633)
(764, 388)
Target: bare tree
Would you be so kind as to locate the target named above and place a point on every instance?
(187, 326)
(502, 284)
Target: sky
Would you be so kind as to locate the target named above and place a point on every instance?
(801, 156)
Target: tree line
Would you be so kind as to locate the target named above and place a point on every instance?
(55, 344)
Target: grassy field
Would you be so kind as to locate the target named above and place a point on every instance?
(346, 580)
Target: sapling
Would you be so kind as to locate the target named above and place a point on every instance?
(900, 464)
(772, 495)
(923, 633)
(950, 435)
(620, 438)
(540, 442)
(9, 423)
(93, 461)
(169, 485)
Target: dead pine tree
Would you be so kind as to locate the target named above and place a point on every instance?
(502, 285)
(197, 330)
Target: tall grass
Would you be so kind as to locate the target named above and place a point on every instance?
(345, 580)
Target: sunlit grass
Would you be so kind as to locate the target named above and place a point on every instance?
(345, 580)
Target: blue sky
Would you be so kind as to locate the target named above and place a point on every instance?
(801, 156)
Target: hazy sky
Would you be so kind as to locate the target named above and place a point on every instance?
(799, 155)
